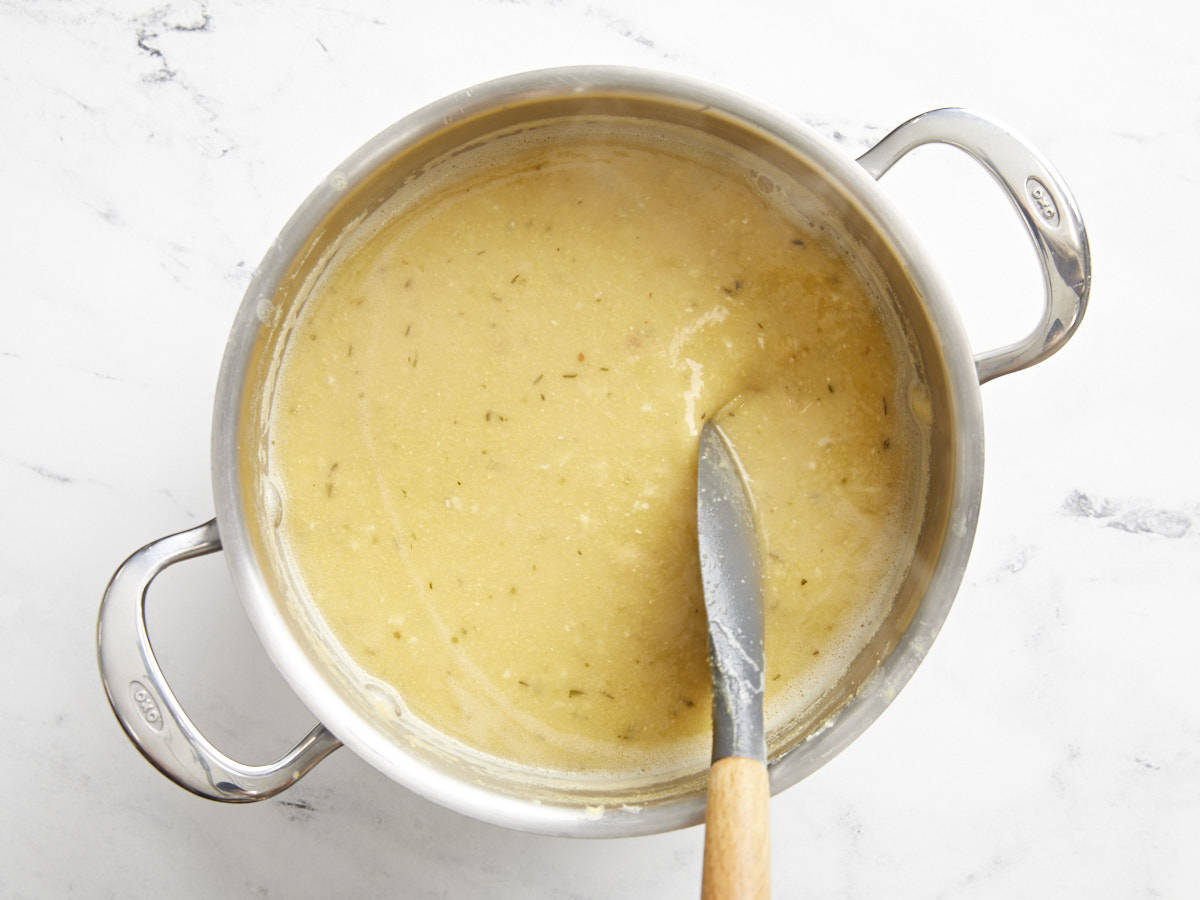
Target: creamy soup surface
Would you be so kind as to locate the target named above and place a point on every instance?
(485, 428)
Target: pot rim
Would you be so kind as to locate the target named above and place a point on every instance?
(368, 741)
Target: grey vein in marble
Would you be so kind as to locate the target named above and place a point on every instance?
(151, 26)
(1129, 517)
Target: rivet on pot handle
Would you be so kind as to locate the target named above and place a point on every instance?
(145, 705)
(1045, 204)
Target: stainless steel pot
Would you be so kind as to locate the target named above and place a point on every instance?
(843, 195)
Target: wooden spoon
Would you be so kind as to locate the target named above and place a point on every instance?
(737, 821)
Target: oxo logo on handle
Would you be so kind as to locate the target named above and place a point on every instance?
(1043, 202)
(146, 705)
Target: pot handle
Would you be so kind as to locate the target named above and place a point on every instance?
(1046, 207)
(147, 708)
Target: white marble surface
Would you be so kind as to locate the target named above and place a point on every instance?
(1049, 745)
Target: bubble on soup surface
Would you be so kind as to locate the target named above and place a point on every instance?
(272, 502)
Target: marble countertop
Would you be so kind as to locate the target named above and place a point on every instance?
(1050, 743)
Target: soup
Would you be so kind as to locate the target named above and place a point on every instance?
(484, 434)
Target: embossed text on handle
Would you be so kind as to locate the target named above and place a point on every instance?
(146, 704)
(1043, 201)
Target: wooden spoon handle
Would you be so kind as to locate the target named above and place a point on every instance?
(737, 859)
